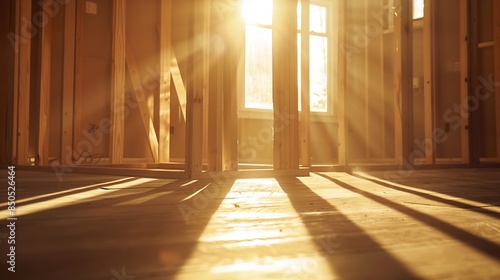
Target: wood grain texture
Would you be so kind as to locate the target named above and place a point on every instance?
(24, 88)
(464, 72)
(496, 30)
(305, 113)
(285, 85)
(429, 80)
(68, 91)
(118, 82)
(164, 98)
(45, 77)
(434, 224)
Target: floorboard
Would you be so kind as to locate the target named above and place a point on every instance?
(425, 224)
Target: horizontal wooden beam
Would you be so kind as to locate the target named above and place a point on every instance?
(485, 45)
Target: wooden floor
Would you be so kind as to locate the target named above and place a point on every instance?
(432, 224)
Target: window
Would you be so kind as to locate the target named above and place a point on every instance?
(258, 55)
(389, 10)
(418, 9)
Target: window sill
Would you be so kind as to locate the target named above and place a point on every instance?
(261, 114)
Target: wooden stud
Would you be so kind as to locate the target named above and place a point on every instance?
(429, 81)
(140, 96)
(206, 78)
(475, 117)
(367, 82)
(194, 118)
(15, 95)
(79, 76)
(285, 88)
(68, 83)
(496, 30)
(23, 94)
(44, 112)
(215, 98)
(305, 114)
(464, 70)
(118, 82)
(377, 69)
(233, 39)
(164, 98)
(341, 96)
(403, 109)
(7, 99)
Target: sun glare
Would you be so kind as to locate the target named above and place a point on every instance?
(257, 11)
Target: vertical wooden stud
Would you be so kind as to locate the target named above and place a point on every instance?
(464, 70)
(164, 100)
(68, 83)
(285, 86)
(43, 127)
(429, 81)
(23, 90)
(195, 88)
(118, 82)
(496, 30)
(305, 114)
(341, 98)
(79, 76)
(403, 69)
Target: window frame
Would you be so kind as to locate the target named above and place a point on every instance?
(332, 69)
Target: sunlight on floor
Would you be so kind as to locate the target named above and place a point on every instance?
(25, 209)
(250, 234)
(409, 224)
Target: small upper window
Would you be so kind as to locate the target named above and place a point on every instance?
(418, 9)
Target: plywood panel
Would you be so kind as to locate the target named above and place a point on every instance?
(140, 97)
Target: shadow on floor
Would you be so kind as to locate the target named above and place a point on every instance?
(351, 253)
(480, 185)
(453, 203)
(480, 244)
(146, 231)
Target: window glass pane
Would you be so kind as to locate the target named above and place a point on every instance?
(318, 73)
(258, 68)
(317, 20)
(257, 11)
(418, 9)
